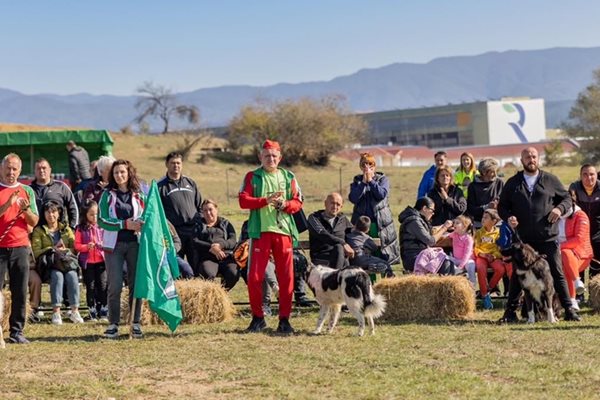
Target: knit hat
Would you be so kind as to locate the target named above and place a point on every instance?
(271, 144)
(366, 158)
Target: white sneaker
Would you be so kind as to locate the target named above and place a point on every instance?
(75, 317)
(56, 318)
(575, 305)
(579, 287)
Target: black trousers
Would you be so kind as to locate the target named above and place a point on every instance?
(15, 260)
(96, 283)
(208, 269)
(551, 251)
(336, 258)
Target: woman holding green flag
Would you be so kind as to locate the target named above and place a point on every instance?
(121, 206)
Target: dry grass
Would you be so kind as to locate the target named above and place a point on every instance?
(202, 302)
(594, 289)
(413, 298)
(8, 127)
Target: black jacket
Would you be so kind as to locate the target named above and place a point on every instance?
(448, 209)
(415, 235)
(222, 232)
(79, 165)
(59, 193)
(372, 200)
(323, 236)
(590, 204)
(480, 193)
(182, 201)
(532, 209)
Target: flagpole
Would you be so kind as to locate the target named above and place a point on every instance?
(131, 312)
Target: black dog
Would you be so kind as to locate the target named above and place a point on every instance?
(535, 278)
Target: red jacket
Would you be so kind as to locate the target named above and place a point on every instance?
(577, 231)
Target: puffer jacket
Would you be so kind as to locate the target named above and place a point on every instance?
(371, 199)
(577, 231)
(415, 235)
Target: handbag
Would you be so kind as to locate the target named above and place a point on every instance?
(65, 261)
(300, 221)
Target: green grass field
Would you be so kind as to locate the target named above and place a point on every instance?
(437, 360)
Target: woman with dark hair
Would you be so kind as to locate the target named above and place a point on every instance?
(369, 193)
(121, 206)
(416, 231)
(484, 191)
(213, 246)
(466, 172)
(53, 246)
(448, 197)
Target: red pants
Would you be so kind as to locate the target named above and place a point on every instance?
(572, 266)
(499, 267)
(261, 249)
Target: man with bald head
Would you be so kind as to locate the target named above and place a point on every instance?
(327, 230)
(272, 195)
(18, 215)
(532, 202)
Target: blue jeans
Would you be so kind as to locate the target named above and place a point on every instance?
(57, 280)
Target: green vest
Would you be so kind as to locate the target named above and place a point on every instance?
(254, 222)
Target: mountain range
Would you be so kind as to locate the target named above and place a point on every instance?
(556, 74)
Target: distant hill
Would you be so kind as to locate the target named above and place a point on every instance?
(556, 74)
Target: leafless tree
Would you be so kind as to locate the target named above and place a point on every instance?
(158, 101)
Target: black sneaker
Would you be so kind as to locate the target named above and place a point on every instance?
(257, 325)
(571, 315)
(112, 332)
(285, 327)
(303, 302)
(18, 338)
(136, 331)
(389, 274)
(509, 317)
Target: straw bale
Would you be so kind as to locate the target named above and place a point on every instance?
(6, 311)
(427, 298)
(594, 288)
(202, 302)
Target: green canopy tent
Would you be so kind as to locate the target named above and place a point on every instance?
(51, 145)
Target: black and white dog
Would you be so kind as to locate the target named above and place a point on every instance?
(533, 272)
(2, 345)
(350, 286)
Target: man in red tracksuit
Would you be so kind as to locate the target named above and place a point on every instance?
(272, 195)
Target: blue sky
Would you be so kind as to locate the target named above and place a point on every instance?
(111, 46)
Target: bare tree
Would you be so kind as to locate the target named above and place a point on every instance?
(158, 101)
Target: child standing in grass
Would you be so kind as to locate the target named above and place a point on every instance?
(462, 247)
(88, 242)
(487, 255)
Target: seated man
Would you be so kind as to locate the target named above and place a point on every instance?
(327, 234)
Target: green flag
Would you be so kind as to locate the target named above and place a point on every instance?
(157, 265)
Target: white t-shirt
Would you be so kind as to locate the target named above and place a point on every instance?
(530, 180)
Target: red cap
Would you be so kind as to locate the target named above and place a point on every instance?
(271, 144)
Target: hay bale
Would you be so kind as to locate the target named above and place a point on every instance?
(202, 302)
(594, 289)
(6, 311)
(427, 298)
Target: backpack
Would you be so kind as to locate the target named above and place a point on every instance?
(241, 253)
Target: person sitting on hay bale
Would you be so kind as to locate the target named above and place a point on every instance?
(416, 231)
(212, 246)
(365, 249)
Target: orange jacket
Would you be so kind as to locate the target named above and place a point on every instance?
(577, 231)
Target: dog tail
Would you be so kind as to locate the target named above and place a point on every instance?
(373, 304)
(377, 306)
